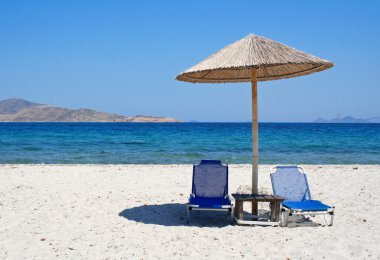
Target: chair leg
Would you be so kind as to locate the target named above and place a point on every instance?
(188, 214)
(332, 217)
(285, 216)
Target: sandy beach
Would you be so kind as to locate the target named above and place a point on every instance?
(138, 211)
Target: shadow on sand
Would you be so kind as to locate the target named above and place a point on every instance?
(174, 214)
(301, 221)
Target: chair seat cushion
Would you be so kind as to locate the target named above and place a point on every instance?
(306, 205)
(216, 203)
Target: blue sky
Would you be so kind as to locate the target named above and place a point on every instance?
(123, 56)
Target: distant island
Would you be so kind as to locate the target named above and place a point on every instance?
(348, 119)
(20, 110)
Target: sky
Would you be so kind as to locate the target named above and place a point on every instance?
(123, 56)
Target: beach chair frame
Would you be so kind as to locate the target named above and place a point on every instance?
(225, 208)
(287, 212)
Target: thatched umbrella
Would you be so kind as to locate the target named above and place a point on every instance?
(251, 59)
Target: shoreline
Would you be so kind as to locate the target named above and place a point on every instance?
(138, 211)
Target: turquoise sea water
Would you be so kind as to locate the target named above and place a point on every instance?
(169, 143)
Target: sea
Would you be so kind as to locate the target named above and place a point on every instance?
(187, 143)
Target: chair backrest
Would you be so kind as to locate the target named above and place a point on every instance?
(291, 184)
(210, 179)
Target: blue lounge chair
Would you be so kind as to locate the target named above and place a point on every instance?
(291, 184)
(210, 188)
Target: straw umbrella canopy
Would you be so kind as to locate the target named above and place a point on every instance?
(251, 59)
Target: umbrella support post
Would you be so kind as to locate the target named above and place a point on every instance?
(252, 54)
(255, 139)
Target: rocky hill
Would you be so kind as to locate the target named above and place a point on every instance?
(20, 110)
(348, 119)
(13, 105)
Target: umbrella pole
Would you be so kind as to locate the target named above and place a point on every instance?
(255, 134)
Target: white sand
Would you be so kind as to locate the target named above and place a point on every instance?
(73, 212)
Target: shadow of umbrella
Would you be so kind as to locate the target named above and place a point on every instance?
(300, 221)
(173, 214)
